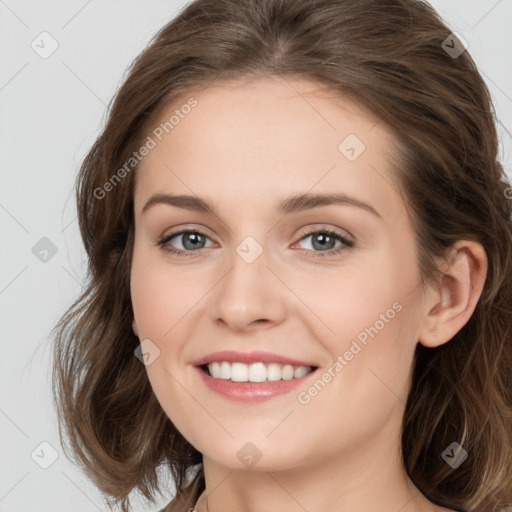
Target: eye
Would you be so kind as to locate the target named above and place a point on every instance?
(322, 242)
(191, 241)
(325, 240)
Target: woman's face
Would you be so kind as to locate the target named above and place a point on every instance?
(259, 273)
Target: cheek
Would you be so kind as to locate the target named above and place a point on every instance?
(368, 325)
(368, 380)
(350, 300)
(160, 294)
(371, 339)
(161, 299)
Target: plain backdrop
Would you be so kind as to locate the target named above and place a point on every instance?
(51, 111)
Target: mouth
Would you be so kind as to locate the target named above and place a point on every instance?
(254, 376)
(225, 363)
(252, 383)
(255, 372)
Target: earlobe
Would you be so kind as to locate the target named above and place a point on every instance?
(455, 299)
(134, 327)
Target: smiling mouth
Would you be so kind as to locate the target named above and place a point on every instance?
(255, 372)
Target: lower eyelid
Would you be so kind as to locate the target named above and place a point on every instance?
(345, 242)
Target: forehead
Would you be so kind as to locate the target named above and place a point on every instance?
(247, 141)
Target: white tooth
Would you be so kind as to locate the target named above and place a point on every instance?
(225, 370)
(287, 372)
(214, 369)
(273, 372)
(239, 372)
(257, 372)
(300, 371)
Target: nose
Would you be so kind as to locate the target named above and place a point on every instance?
(250, 295)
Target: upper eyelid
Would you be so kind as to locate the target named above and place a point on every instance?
(184, 231)
(308, 232)
(343, 233)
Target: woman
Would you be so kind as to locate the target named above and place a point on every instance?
(300, 291)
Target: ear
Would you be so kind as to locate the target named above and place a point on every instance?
(134, 327)
(450, 305)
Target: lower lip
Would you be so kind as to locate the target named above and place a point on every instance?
(250, 392)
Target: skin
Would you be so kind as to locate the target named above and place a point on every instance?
(245, 147)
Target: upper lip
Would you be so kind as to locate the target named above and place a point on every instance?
(248, 357)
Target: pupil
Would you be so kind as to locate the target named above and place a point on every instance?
(323, 239)
(195, 237)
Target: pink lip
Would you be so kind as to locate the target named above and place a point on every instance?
(250, 392)
(248, 357)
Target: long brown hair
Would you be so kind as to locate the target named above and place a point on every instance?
(391, 57)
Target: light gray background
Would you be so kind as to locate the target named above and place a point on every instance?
(51, 111)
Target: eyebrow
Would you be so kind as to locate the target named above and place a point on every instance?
(292, 204)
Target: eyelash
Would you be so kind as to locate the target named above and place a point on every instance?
(346, 244)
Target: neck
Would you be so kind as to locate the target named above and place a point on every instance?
(352, 480)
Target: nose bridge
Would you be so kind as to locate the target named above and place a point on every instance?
(249, 291)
